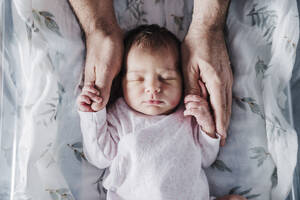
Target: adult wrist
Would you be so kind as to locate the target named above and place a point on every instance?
(103, 26)
(210, 15)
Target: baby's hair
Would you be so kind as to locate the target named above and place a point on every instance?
(150, 37)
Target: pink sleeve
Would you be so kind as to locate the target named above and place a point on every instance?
(100, 137)
(209, 146)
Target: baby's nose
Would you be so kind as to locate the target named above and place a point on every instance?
(152, 90)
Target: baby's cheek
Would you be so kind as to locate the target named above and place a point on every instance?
(133, 92)
(175, 97)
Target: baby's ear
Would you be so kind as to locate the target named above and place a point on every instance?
(203, 90)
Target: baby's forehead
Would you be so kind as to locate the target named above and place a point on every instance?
(167, 54)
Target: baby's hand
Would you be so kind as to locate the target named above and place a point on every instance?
(89, 94)
(198, 107)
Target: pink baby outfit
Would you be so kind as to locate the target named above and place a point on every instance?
(150, 157)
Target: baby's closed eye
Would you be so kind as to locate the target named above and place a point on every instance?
(167, 77)
(134, 77)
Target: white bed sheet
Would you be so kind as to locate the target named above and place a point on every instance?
(40, 137)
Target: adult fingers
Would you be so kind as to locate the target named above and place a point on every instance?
(203, 89)
(218, 99)
(229, 105)
(91, 89)
(89, 70)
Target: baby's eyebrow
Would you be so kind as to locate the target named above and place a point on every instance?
(135, 71)
(168, 69)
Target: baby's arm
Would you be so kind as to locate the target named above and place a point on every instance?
(100, 137)
(204, 131)
(89, 94)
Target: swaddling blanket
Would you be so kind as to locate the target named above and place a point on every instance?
(150, 157)
(41, 146)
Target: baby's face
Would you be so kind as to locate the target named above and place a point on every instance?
(152, 83)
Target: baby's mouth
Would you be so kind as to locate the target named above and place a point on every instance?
(154, 102)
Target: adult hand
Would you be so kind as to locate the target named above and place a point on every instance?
(205, 57)
(197, 106)
(103, 62)
(232, 197)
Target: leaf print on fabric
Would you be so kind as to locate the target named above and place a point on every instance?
(244, 193)
(260, 154)
(29, 32)
(49, 115)
(30, 25)
(135, 8)
(77, 149)
(255, 108)
(261, 68)
(274, 127)
(178, 20)
(290, 45)
(60, 92)
(46, 19)
(274, 178)
(264, 19)
(100, 188)
(60, 194)
(221, 166)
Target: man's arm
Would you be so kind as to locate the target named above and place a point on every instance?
(210, 15)
(95, 15)
(205, 58)
(104, 44)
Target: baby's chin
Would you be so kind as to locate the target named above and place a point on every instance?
(152, 111)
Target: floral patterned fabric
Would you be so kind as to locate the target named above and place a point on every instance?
(41, 150)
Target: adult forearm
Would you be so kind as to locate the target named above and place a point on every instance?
(95, 15)
(210, 14)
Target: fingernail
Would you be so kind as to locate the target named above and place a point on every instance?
(99, 100)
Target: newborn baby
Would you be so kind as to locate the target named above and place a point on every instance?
(155, 147)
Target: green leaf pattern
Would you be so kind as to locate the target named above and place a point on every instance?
(100, 188)
(135, 7)
(259, 154)
(265, 19)
(46, 19)
(78, 151)
(260, 67)
(254, 107)
(245, 193)
(274, 178)
(221, 166)
(60, 194)
(178, 20)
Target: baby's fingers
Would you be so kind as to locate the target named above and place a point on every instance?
(92, 96)
(85, 108)
(200, 105)
(193, 98)
(83, 99)
(204, 119)
(83, 103)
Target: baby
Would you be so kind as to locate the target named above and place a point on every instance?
(155, 147)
